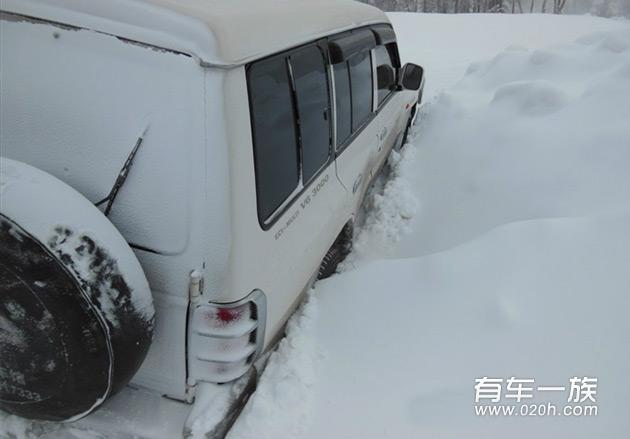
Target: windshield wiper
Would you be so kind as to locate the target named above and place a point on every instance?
(122, 175)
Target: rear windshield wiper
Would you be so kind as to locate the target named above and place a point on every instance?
(122, 175)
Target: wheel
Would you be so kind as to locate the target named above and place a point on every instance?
(336, 253)
(76, 313)
(406, 133)
(330, 262)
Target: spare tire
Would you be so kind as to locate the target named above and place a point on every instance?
(76, 312)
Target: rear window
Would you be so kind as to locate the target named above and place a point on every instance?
(290, 114)
(273, 126)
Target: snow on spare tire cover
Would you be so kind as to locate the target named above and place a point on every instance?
(76, 313)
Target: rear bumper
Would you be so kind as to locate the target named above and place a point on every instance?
(137, 413)
(132, 413)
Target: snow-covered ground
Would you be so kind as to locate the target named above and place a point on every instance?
(499, 249)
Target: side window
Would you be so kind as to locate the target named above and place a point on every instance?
(342, 102)
(311, 92)
(392, 49)
(275, 140)
(361, 87)
(385, 73)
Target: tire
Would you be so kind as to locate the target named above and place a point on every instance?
(330, 262)
(76, 313)
(336, 253)
(406, 133)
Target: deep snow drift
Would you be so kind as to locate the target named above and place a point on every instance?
(446, 44)
(515, 263)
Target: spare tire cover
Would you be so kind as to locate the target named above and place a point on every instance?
(76, 313)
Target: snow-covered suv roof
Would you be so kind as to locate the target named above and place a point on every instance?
(218, 32)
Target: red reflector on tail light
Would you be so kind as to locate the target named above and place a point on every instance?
(223, 316)
(227, 315)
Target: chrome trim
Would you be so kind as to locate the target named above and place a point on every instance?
(374, 82)
(210, 334)
(290, 198)
(246, 354)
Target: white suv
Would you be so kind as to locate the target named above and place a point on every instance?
(173, 175)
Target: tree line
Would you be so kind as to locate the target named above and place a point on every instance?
(604, 8)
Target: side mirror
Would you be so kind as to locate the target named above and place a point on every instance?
(385, 77)
(412, 76)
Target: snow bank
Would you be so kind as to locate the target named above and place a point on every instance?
(527, 134)
(406, 339)
(281, 406)
(446, 45)
(516, 262)
(390, 210)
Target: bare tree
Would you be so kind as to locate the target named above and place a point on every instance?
(558, 6)
(604, 8)
(520, 6)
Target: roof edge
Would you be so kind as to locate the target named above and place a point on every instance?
(209, 31)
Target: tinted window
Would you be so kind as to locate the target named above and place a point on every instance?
(275, 146)
(361, 87)
(392, 49)
(386, 78)
(342, 101)
(311, 89)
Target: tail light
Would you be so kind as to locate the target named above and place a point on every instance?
(224, 339)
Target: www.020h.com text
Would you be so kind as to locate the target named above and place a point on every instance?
(548, 409)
